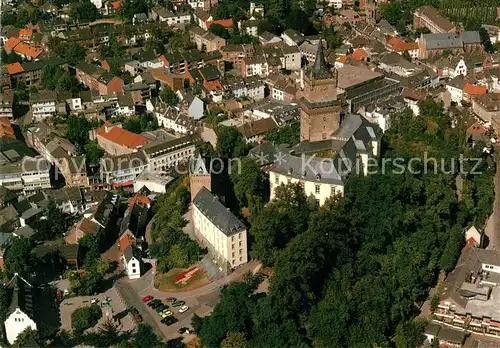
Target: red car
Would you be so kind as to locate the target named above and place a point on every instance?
(147, 298)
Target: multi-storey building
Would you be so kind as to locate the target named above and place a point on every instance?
(219, 230)
(43, 105)
(430, 18)
(35, 174)
(164, 153)
(122, 170)
(206, 41)
(98, 79)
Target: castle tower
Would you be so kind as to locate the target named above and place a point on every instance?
(199, 176)
(319, 107)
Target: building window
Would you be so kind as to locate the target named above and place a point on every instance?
(241, 259)
(232, 238)
(240, 243)
(233, 261)
(323, 136)
(233, 254)
(277, 180)
(240, 251)
(317, 201)
(232, 246)
(316, 189)
(133, 270)
(133, 264)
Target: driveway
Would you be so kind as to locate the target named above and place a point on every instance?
(200, 301)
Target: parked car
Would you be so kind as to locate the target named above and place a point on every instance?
(178, 303)
(183, 309)
(147, 298)
(154, 303)
(169, 320)
(170, 299)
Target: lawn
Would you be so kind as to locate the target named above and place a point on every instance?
(165, 281)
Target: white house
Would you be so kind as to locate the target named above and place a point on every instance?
(380, 117)
(219, 229)
(196, 4)
(460, 69)
(20, 315)
(163, 15)
(132, 261)
(256, 9)
(472, 236)
(156, 181)
(456, 89)
(255, 66)
(194, 106)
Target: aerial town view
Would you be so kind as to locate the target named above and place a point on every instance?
(250, 173)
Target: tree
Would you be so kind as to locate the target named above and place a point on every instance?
(145, 337)
(66, 82)
(51, 75)
(131, 7)
(485, 40)
(288, 134)
(219, 30)
(234, 340)
(84, 11)
(54, 223)
(73, 53)
(230, 143)
(297, 19)
(391, 12)
(108, 335)
(78, 131)
(27, 336)
(168, 96)
(93, 153)
(84, 318)
(19, 258)
(249, 180)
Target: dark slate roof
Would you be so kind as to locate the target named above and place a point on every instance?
(134, 220)
(320, 70)
(21, 297)
(6, 195)
(267, 153)
(210, 206)
(131, 251)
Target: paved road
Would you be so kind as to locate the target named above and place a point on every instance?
(492, 228)
(133, 300)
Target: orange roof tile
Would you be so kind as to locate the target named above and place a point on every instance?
(477, 129)
(122, 136)
(139, 200)
(226, 23)
(474, 89)
(359, 54)
(342, 59)
(125, 241)
(27, 50)
(25, 34)
(411, 46)
(6, 128)
(14, 68)
(212, 85)
(116, 5)
(163, 59)
(12, 42)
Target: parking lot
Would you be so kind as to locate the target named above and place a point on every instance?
(113, 307)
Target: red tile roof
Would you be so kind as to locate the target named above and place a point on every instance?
(399, 45)
(12, 42)
(125, 241)
(25, 34)
(27, 50)
(477, 129)
(474, 89)
(116, 5)
(14, 68)
(122, 137)
(6, 128)
(226, 23)
(359, 54)
(138, 199)
(342, 59)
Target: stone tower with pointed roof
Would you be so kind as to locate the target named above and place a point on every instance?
(319, 107)
(199, 176)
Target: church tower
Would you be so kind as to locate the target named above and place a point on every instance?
(319, 107)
